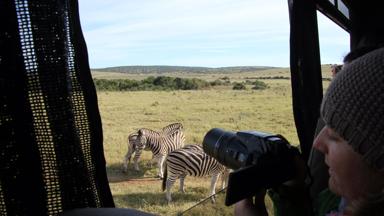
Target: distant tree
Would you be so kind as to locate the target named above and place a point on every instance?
(259, 85)
(248, 82)
(239, 86)
(216, 83)
(201, 84)
(225, 78)
(179, 83)
(148, 80)
(163, 81)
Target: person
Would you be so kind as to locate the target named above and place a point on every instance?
(335, 68)
(318, 169)
(352, 142)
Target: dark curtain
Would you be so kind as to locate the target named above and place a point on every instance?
(51, 150)
(307, 90)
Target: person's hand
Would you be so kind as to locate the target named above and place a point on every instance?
(293, 191)
(294, 194)
(247, 206)
(300, 175)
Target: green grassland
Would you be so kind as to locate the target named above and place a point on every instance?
(122, 113)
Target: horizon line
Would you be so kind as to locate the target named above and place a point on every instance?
(190, 66)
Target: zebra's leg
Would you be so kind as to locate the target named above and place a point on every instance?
(136, 163)
(136, 159)
(160, 164)
(182, 190)
(126, 160)
(169, 185)
(213, 186)
(224, 178)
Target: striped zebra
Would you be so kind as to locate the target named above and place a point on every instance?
(192, 160)
(135, 147)
(171, 128)
(160, 144)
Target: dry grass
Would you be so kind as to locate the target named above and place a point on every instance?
(122, 113)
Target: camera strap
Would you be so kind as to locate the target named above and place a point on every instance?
(201, 201)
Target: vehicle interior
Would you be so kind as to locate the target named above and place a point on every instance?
(51, 140)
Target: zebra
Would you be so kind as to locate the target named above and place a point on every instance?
(161, 144)
(192, 160)
(134, 147)
(169, 129)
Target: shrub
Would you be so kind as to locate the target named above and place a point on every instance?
(248, 82)
(259, 85)
(216, 83)
(226, 79)
(239, 86)
(220, 82)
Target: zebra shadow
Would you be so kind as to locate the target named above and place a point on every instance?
(192, 194)
(138, 200)
(115, 172)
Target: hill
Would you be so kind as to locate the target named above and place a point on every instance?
(209, 74)
(179, 69)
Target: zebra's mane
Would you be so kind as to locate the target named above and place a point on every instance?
(147, 130)
(173, 132)
(172, 128)
(157, 133)
(132, 135)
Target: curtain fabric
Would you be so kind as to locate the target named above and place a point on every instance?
(51, 149)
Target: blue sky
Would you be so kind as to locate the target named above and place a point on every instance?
(211, 33)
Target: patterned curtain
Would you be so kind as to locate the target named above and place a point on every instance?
(51, 150)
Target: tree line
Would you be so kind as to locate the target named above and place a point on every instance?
(162, 83)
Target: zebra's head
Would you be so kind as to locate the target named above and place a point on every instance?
(133, 141)
(143, 136)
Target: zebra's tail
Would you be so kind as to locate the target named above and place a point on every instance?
(165, 174)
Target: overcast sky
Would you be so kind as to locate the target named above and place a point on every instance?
(211, 33)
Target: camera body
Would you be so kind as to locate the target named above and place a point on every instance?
(260, 160)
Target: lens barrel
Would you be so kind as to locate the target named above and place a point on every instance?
(214, 139)
(224, 147)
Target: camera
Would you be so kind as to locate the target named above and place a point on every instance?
(260, 160)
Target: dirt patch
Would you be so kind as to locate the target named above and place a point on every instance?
(115, 179)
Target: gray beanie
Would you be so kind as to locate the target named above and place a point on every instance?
(354, 106)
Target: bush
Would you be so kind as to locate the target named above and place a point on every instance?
(226, 79)
(248, 82)
(259, 85)
(151, 83)
(239, 86)
(216, 82)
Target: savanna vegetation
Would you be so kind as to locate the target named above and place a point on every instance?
(162, 83)
(123, 112)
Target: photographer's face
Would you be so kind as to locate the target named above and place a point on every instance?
(350, 176)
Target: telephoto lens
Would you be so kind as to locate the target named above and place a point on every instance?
(225, 147)
(260, 160)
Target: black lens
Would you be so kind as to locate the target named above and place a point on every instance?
(225, 147)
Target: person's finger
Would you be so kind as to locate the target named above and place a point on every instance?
(245, 207)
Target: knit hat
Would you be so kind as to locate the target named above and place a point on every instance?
(354, 106)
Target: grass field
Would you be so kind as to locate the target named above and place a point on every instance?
(122, 113)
